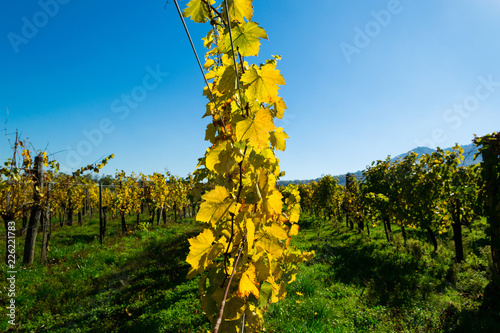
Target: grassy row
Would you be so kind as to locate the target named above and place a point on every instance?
(133, 283)
(136, 283)
(361, 284)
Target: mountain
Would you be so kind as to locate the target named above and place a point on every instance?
(419, 150)
(469, 152)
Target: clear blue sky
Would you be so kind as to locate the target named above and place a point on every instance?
(365, 79)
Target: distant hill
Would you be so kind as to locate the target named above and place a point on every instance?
(469, 152)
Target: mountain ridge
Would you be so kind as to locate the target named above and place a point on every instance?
(469, 151)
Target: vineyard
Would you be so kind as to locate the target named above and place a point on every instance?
(38, 198)
(412, 230)
(412, 246)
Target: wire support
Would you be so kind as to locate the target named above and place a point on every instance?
(199, 63)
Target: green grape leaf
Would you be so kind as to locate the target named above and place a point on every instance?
(266, 292)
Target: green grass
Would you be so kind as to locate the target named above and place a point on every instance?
(361, 284)
(136, 283)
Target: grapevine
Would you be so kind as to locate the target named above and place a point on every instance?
(489, 148)
(244, 249)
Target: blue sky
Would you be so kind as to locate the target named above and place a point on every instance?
(365, 79)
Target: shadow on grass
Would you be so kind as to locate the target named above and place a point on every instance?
(388, 278)
(148, 294)
(470, 321)
(485, 319)
(69, 240)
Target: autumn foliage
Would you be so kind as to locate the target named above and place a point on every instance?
(244, 252)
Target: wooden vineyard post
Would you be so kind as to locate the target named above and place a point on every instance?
(101, 223)
(36, 211)
(46, 229)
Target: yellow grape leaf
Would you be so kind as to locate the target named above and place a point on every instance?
(277, 231)
(274, 266)
(246, 39)
(250, 232)
(263, 179)
(270, 245)
(282, 291)
(297, 257)
(248, 283)
(279, 106)
(217, 203)
(227, 82)
(275, 289)
(294, 230)
(210, 132)
(254, 318)
(256, 130)
(278, 139)
(239, 9)
(214, 72)
(197, 10)
(274, 204)
(221, 156)
(208, 63)
(208, 304)
(208, 41)
(262, 83)
(262, 266)
(202, 250)
(235, 307)
(294, 213)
